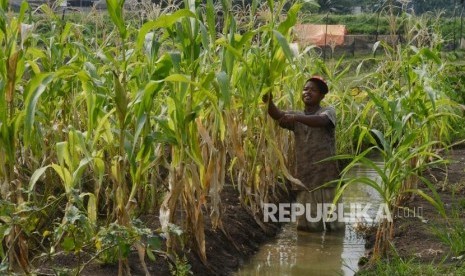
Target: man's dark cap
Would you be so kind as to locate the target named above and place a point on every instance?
(322, 85)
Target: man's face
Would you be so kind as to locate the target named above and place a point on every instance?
(311, 94)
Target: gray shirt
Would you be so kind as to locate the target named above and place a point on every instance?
(313, 144)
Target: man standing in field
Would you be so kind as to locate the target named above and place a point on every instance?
(314, 132)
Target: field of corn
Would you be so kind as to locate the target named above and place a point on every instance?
(117, 114)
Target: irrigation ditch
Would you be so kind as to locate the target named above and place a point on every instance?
(137, 143)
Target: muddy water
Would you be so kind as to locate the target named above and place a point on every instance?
(300, 253)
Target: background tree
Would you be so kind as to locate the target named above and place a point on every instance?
(422, 6)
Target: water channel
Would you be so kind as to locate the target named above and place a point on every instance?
(300, 253)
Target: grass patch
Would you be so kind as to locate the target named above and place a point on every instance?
(399, 266)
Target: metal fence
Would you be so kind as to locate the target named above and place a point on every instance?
(363, 45)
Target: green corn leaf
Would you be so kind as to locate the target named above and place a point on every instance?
(270, 5)
(361, 137)
(18, 122)
(121, 99)
(115, 9)
(291, 19)
(340, 188)
(431, 92)
(359, 67)
(226, 5)
(91, 206)
(34, 90)
(312, 3)
(4, 5)
(92, 109)
(190, 117)
(164, 21)
(210, 10)
(99, 165)
(254, 6)
(3, 19)
(207, 79)
(176, 59)
(3, 108)
(245, 39)
(178, 78)
(65, 32)
(436, 201)
(65, 176)
(167, 136)
(355, 159)
(141, 120)
(64, 158)
(48, 11)
(149, 92)
(223, 81)
(234, 51)
(426, 52)
(284, 45)
(372, 165)
(372, 183)
(80, 170)
(22, 10)
(35, 177)
(103, 122)
(381, 139)
(163, 67)
(145, 150)
(34, 66)
(151, 255)
(194, 153)
(78, 140)
(36, 54)
(204, 36)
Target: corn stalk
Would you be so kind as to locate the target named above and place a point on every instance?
(14, 249)
(407, 117)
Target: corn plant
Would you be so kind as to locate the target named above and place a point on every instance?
(263, 67)
(14, 117)
(398, 157)
(407, 117)
(197, 164)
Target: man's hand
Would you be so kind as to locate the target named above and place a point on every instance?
(287, 119)
(273, 111)
(268, 97)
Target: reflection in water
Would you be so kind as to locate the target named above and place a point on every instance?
(300, 253)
